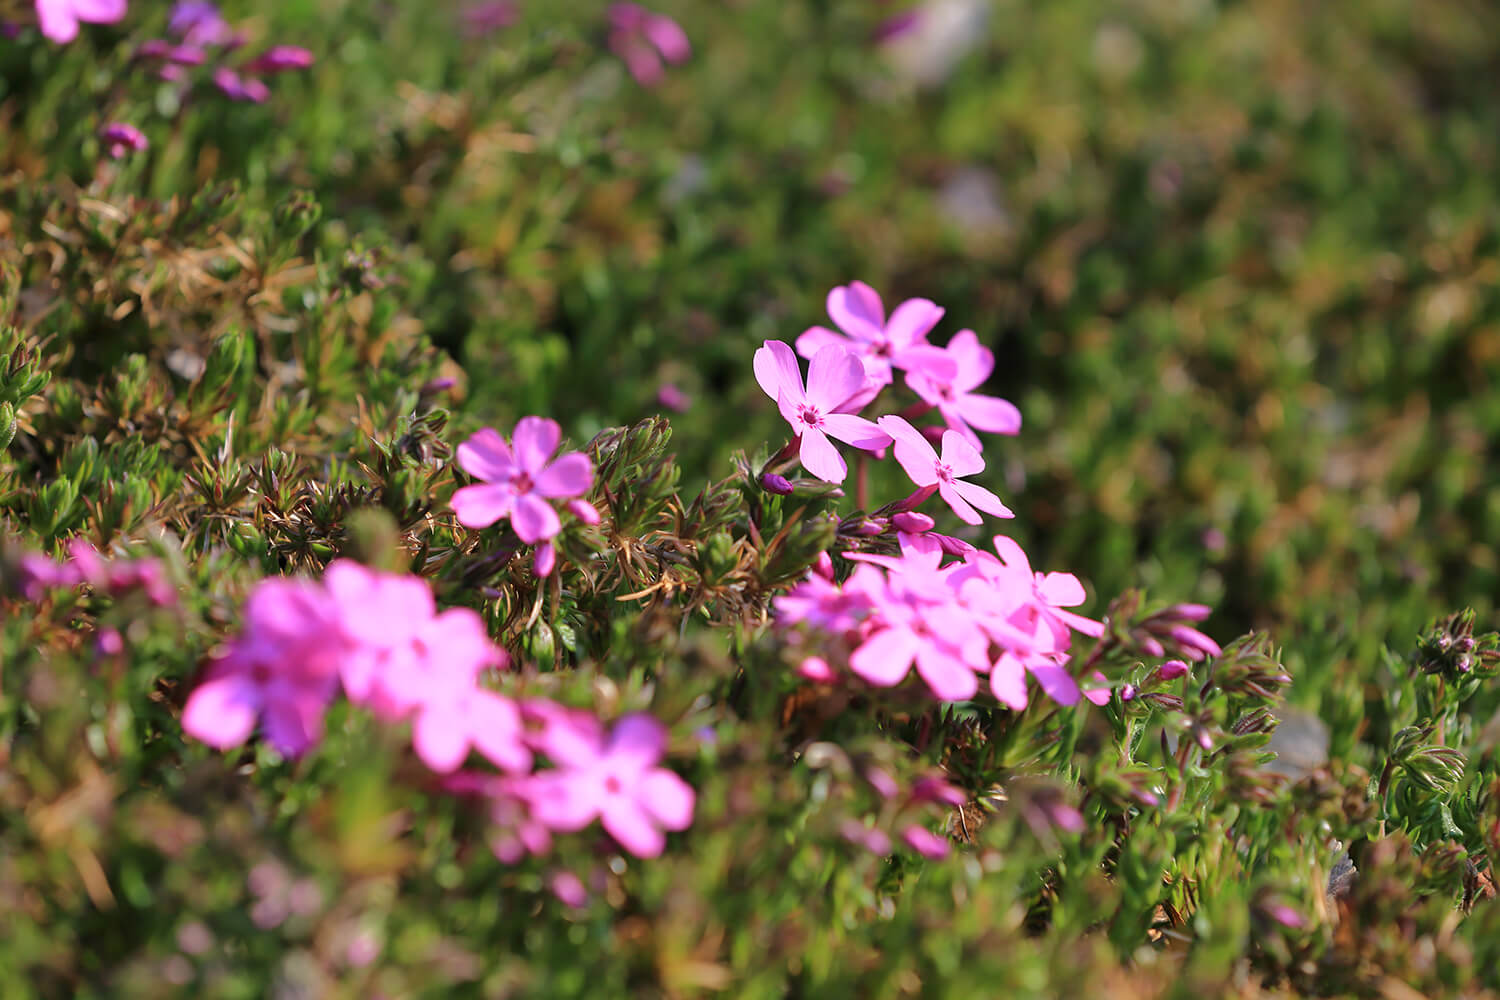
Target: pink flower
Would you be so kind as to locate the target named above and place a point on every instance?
(963, 409)
(280, 58)
(241, 88)
(282, 672)
(407, 660)
(926, 468)
(616, 781)
(833, 377)
(490, 15)
(643, 39)
(856, 310)
(60, 18)
(120, 138)
(517, 484)
(925, 842)
(1171, 670)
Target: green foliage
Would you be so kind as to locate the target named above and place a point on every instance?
(1237, 263)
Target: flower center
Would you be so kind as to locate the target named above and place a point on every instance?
(809, 416)
(521, 483)
(612, 785)
(944, 473)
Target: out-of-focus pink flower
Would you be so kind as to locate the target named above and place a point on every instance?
(405, 660)
(618, 782)
(519, 483)
(490, 16)
(833, 376)
(925, 842)
(544, 561)
(279, 59)
(120, 138)
(896, 26)
(569, 889)
(817, 670)
(241, 88)
(673, 398)
(954, 396)
(60, 18)
(198, 22)
(644, 39)
(926, 468)
(281, 672)
(584, 511)
(881, 345)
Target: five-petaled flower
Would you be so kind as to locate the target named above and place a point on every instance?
(927, 469)
(516, 482)
(816, 412)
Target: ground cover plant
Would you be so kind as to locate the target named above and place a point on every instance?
(756, 499)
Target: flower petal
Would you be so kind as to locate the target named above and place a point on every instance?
(961, 456)
(486, 456)
(857, 310)
(947, 676)
(954, 499)
(667, 798)
(222, 712)
(982, 498)
(534, 519)
(989, 413)
(912, 450)
(1061, 590)
(777, 372)
(1008, 682)
(884, 659)
(628, 823)
(821, 458)
(911, 321)
(570, 476)
(440, 738)
(1055, 680)
(637, 742)
(975, 361)
(482, 504)
(833, 375)
(857, 431)
(815, 338)
(535, 440)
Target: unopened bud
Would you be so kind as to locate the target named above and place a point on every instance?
(584, 511)
(913, 522)
(779, 485)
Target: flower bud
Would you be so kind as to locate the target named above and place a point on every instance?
(913, 522)
(779, 485)
(584, 511)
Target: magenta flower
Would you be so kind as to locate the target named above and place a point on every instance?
(833, 377)
(617, 782)
(282, 672)
(643, 39)
(518, 483)
(927, 469)
(280, 58)
(857, 311)
(120, 138)
(60, 18)
(953, 395)
(407, 660)
(925, 842)
(490, 16)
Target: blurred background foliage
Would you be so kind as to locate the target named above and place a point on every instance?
(1237, 261)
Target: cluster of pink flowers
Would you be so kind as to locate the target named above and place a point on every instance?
(518, 481)
(380, 639)
(983, 616)
(200, 35)
(850, 367)
(84, 565)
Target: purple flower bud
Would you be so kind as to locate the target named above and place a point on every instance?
(1171, 670)
(871, 526)
(779, 485)
(584, 511)
(925, 842)
(1189, 612)
(1194, 641)
(109, 642)
(436, 385)
(1065, 817)
(1284, 915)
(673, 398)
(937, 790)
(894, 27)
(239, 88)
(953, 546)
(816, 669)
(120, 138)
(483, 18)
(824, 566)
(545, 560)
(1127, 692)
(280, 58)
(568, 888)
(882, 782)
(1152, 647)
(913, 522)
